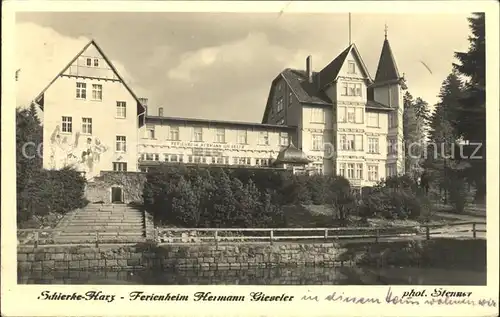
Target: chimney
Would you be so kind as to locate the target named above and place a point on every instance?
(309, 69)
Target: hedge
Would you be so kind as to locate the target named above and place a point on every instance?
(51, 191)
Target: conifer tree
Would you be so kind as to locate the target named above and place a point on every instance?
(471, 117)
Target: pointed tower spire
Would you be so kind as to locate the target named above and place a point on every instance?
(387, 69)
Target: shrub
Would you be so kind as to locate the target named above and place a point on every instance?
(49, 191)
(208, 197)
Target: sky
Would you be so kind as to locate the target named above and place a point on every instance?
(220, 65)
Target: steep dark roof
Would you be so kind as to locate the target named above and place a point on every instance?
(387, 69)
(306, 92)
(330, 72)
(292, 155)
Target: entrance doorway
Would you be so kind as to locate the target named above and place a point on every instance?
(116, 195)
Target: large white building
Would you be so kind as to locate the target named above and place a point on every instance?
(335, 121)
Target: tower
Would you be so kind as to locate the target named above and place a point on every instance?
(388, 89)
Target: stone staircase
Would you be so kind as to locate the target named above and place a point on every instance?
(110, 223)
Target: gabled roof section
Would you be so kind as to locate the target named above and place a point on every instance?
(387, 69)
(306, 93)
(141, 108)
(331, 71)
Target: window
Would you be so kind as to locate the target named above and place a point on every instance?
(359, 170)
(290, 99)
(392, 170)
(317, 115)
(393, 146)
(350, 142)
(358, 141)
(67, 124)
(96, 62)
(341, 114)
(81, 90)
(344, 89)
(172, 158)
(373, 172)
(279, 87)
(393, 119)
(119, 166)
(263, 138)
(279, 104)
(151, 157)
(89, 61)
(350, 170)
(351, 67)
(242, 160)
(318, 168)
(86, 125)
(281, 122)
(342, 169)
(284, 138)
(121, 109)
(373, 145)
(351, 115)
(220, 135)
(262, 162)
(351, 89)
(198, 134)
(373, 119)
(150, 132)
(121, 143)
(242, 136)
(359, 115)
(174, 133)
(96, 92)
(317, 142)
(343, 142)
(160, 112)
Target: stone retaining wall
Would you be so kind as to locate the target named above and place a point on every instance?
(203, 257)
(132, 184)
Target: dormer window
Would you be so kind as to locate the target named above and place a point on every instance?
(351, 67)
(89, 61)
(96, 62)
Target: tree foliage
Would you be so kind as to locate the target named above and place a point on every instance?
(471, 119)
(415, 116)
(40, 192)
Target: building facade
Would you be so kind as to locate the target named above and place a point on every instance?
(339, 118)
(347, 123)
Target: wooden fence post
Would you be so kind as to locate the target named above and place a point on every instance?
(427, 233)
(474, 234)
(36, 239)
(271, 236)
(216, 237)
(326, 234)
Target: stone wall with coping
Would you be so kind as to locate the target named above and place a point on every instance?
(205, 257)
(132, 184)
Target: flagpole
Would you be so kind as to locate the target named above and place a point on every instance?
(349, 28)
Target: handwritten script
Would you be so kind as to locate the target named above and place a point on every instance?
(437, 297)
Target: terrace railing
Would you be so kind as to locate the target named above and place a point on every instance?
(214, 236)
